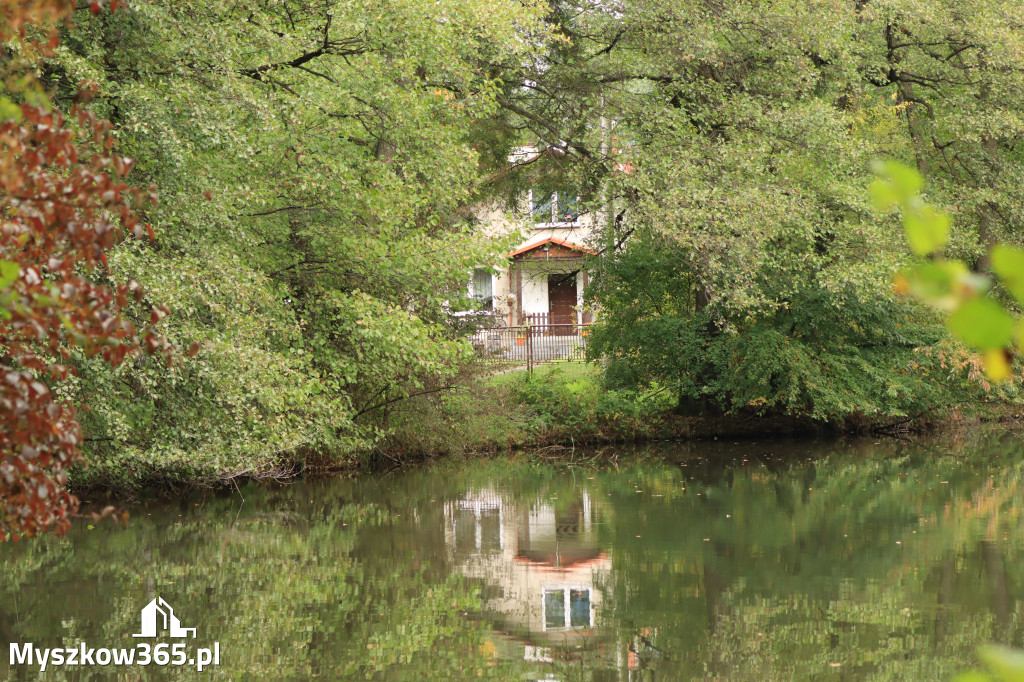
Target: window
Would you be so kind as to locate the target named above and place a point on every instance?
(568, 208)
(482, 288)
(554, 206)
(566, 609)
(542, 205)
(554, 609)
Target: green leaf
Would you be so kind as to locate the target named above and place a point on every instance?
(8, 273)
(940, 283)
(1006, 662)
(927, 230)
(982, 323)
(898, 184)
(883, 195)
(1008, 263)
(905, 180)
(9, 111)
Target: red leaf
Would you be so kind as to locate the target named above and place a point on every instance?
(58, 304)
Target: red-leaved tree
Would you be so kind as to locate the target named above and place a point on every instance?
(63, 204)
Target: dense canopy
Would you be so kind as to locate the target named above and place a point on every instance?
(321, 168)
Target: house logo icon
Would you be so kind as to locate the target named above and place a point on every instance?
(157, 616)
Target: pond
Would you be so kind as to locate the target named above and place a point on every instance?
(845, 560)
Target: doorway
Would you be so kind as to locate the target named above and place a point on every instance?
(562, 304)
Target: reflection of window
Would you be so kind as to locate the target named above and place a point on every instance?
(482, 290)
(554, 609)
(537, 654)
(476, 526)
(465, 529)
(554, 206)
(566, 608)
(579, 608)
(490, 530)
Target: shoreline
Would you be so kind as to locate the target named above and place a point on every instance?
(168, 483)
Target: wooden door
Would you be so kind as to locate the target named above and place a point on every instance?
(562, 304)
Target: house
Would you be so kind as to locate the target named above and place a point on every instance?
(544, 278)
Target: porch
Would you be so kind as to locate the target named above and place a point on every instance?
(547, 280)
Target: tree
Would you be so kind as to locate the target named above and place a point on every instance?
(64, 204)
(318, 164)
(749, 132)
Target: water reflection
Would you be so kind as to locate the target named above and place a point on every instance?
(732, 561)
(548, 583)
(540, 562)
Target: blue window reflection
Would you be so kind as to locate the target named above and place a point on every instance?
(579, 608)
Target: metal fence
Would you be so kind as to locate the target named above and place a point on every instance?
(532, 344)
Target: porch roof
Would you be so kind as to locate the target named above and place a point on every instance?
(556, 248)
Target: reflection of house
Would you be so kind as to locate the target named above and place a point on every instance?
(547, 584)
(546, 575)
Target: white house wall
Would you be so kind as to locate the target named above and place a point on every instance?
(497, 222)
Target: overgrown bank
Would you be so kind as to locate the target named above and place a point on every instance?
(570, 404)
(559, 407)
(558, 404)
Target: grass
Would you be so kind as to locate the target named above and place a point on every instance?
(568, 370)
(558, 402)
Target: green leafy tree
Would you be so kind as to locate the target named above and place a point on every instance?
(318, 164)
(730, 147)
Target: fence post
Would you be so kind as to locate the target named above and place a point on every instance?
(529, 348)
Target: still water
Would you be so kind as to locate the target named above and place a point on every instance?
(790, 560)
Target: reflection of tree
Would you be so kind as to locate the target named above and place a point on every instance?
(890, 564)
(947, 570)
(870, 551)
(288, 593)
(995, 570)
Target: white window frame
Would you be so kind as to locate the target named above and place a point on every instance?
(565, 590)
(554, 212)
(472, 286)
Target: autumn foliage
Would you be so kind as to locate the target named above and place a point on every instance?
(63, 205)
